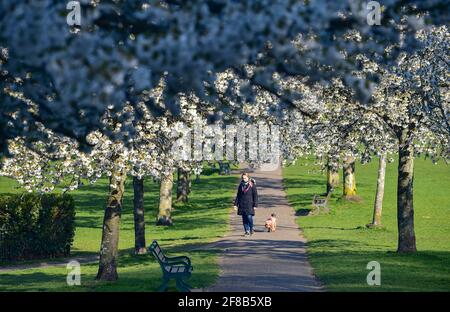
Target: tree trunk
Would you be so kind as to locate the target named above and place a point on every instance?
(405, 209)
(332, 178)
(183, 185)
(349, 177)
(165, 200)
(107, 270)
(378, 204)
(139, 220)
(189, 183)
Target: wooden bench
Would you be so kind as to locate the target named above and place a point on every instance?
(224, 168)
(319, 202)
(172, 267)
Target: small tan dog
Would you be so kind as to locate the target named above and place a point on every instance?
(271, 223)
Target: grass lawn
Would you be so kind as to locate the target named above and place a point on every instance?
(202, 220)
(340, 246)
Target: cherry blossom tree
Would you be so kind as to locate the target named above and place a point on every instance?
(74, 73)
(58, 161)
(412, 99)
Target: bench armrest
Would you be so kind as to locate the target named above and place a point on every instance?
(177, 263)
(182, 259)
(167, 265)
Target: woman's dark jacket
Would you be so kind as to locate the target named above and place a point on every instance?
(246, 201)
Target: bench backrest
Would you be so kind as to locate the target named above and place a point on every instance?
(157, 252)
(224, 168)
(318, 201)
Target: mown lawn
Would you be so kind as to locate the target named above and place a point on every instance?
(340, 246)
(202, 220)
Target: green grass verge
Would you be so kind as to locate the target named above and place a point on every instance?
(202, 220)
(340, 246)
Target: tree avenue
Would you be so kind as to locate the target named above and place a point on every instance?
(106, 100)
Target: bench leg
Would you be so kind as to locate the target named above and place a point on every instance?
(186, 284)
(181, 286)
(164, 285)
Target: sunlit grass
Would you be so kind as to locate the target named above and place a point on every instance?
(340, 246)
(202, 220)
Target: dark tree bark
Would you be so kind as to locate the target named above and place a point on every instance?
(107, 270)
(139, 219)
(183, 185)
(405, 208)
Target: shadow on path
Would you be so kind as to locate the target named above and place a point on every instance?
(265, 261)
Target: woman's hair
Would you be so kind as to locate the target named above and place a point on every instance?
(245, 174)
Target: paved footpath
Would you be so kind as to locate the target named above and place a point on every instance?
(265, 261)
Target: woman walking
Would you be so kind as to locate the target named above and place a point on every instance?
(246, 202)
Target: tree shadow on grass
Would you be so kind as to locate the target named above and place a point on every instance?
(357, 228)
(346, 270)
(302, 212)
(215, 183)
(136, 273)
(90, 202)
(297, 200)
(88, 222)
(336, 265)
(31, 281)
(202, 212)
(307, 183)
(195, 224)
(92, 199)
(335, 243)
